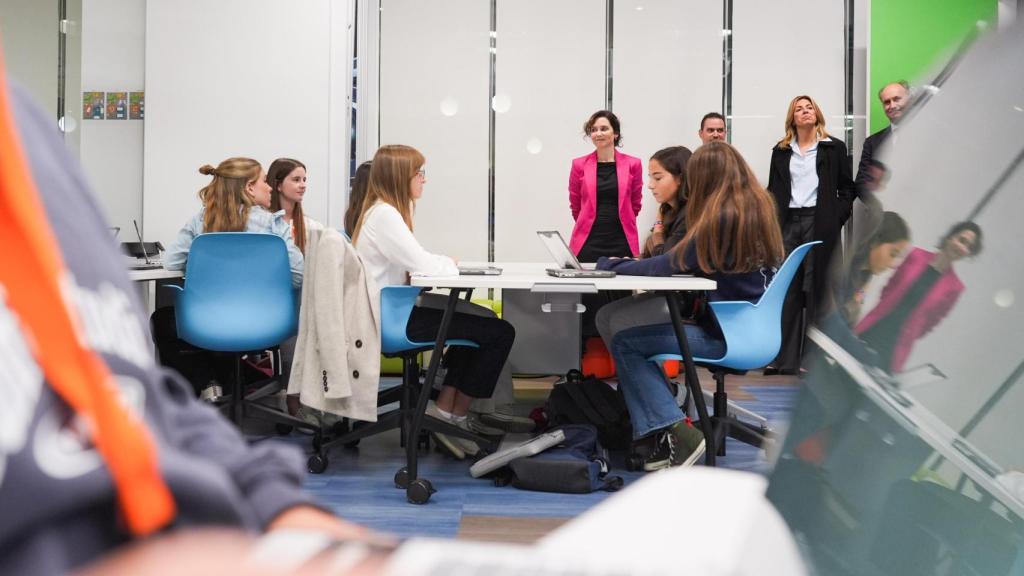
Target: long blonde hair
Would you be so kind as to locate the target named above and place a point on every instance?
(731, 220)
(819, 122)
(225, 200)
(391, 174)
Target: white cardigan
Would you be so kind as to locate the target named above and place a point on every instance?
(389, 250)
(336, 367)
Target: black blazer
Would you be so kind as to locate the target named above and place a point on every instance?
(872, 144)
(836, 192)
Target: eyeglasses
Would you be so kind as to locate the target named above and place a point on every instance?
(422, 172)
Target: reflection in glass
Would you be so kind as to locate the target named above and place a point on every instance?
(501, 103)
(449, 107)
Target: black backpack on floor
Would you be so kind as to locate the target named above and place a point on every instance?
(587, 400)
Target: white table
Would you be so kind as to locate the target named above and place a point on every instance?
(147, 280)
(533, 276)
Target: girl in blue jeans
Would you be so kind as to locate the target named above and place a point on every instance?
(733, 237)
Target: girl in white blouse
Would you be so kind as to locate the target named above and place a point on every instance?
(383, 237)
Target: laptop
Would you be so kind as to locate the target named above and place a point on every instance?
(570, 266)
(479, 271)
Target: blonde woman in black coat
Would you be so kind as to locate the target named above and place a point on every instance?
(811, 181)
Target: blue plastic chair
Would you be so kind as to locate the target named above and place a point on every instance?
(237, 299)
(396, 305)
(753, 335)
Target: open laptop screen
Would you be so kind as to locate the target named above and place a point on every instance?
(564, 257)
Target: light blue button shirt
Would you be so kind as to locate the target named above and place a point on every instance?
(260, 221)
(803, 173)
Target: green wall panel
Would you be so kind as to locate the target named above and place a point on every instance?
(911, 38)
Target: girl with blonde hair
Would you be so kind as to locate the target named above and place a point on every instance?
(233, 201)
(811, 181)
(384, 239)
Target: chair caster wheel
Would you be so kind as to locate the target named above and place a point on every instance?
(419, 491)
(634, 463)
(317, 463)
(283, 429)
(402, 478)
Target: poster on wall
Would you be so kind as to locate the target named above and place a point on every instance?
(136, 105)
(117, 105)
(92, 105)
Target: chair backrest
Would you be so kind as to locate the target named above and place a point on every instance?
(238, 295)
(753, 332)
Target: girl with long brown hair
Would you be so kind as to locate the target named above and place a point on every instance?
(384, 239)
(733, 238)
(287, 180)
(811, 181)
(666, 179)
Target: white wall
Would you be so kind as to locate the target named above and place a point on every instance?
(550, 73)
(257, 78)
(667, 67)
(433, 96)
(782, 49)
(550, 76)
(113, 58)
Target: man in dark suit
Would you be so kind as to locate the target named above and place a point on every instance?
(895, 97)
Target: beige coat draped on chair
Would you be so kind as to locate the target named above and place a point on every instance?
(336, 367)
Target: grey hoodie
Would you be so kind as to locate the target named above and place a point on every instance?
(57, 499)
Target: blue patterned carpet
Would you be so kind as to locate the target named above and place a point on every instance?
(358, 483)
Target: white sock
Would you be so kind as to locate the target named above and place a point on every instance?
(445, 415)
(458, 419)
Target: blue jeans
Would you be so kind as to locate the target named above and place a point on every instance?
(650, 402)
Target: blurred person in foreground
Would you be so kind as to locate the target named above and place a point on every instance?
(99, 445)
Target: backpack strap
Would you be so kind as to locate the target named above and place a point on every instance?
(613, 483)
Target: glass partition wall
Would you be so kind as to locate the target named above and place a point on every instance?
(495, 95)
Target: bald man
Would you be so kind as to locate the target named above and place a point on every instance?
(895, 97)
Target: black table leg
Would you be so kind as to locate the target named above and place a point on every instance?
(413, 432)
(692, 382)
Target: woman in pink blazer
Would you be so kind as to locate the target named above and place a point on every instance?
(604, 194)
(918, 296)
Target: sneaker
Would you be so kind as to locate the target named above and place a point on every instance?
(503, 418)
(663, 453)
(478, 427)
(454, 446)
(679, 445)
(689, 443)
(447, 444)
(212, 393)
(468, 447)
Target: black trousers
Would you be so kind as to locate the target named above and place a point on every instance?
(198, 366)
(473, 371)
(796, 309)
